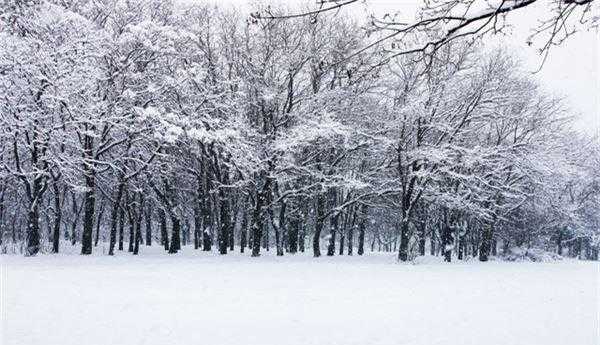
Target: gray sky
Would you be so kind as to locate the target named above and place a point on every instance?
(572, 70)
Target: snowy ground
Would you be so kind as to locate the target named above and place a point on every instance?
(200, 298)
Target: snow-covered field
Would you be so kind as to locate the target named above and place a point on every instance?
(202, 298)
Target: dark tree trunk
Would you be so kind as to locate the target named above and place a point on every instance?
(35, 190)
(207, 231)
(206, 234)
(76, 210)
(88, 219)
(135, 246)
(131, 218)
(432, 242)
(138, 225)
(188, 232)
(293, 235)
(302, 238)
(320, 211)
(184, 232)
(461, 247)
(361, 230)
(175, 235)
(257, 224)
(278, 247)
(33, 230)
(334, 225)
(280, 229)
(486, 242)
(224, 229)
(2, 195)
(98, 223)
(138, 238)
(265, 239)
(577, 248)
(89, 196)
(114, 214)
(447, 242)
(422, 237)
(559, 242)
(164, 234)
(343, 231)
(351, 233)
(57, 220)
(403, 251)
(244, 232)
(121, 226)
(231, 238)
(256, 231)
(197, 227)
(149, 225)
(286, 239)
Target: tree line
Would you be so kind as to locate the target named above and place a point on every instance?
(140, 122)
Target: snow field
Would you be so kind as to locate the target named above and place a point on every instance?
(202, 298)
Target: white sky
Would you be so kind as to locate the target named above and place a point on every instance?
(572, 69)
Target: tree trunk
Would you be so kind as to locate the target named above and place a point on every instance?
(334, 225)
(280, 229)
(98, 223)
(121, 226)
(447, 242)
(432, 241)
(197, 226)
(320, 210)
(175, 235)
(257, 224)
(361, 230)
(164, 234)
(138, 225)
(351, 233)
(577, 248)
(33, 229)
(302, 238)
(486, 242)
(461, 247)
(231, 237)
(131, 218)
(224, 229)
(403, 251)
(57, 219)
(115, 213)
(2, 195)
(89, 197)
(149, 225)
(244, 232)
(203, 191)
(265, 239)
(559, 242)
(293, 235)
(76, 211)
(422, 236)
(184, 232)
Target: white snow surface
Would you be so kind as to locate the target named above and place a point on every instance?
(202, 298)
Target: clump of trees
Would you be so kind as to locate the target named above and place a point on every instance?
(145, 122)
